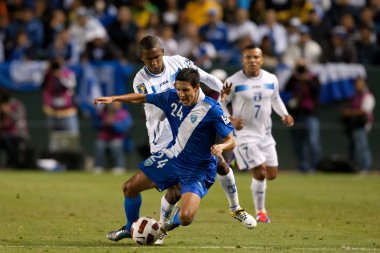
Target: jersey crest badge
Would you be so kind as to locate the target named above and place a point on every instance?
(193, 118)
(141, 88)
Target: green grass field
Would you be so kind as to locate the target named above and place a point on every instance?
(72, 212)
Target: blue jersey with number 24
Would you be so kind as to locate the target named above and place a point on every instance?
(194, 129)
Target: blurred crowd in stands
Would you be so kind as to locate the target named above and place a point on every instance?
(294, 34)
(206, 31)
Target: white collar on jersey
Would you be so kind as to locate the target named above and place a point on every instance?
(155, 75)
(254, 77)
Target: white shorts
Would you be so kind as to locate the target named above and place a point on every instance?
(251, 155)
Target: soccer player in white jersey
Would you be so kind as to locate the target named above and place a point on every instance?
(158, 75)
(254, 92)
(190, 159)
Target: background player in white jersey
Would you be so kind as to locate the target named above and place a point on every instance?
(158, 75)
(253, 94)
(190, 158)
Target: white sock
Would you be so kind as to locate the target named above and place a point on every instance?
(166, 210)
(258, 189)
(229, 186)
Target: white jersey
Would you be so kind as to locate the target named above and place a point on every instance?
(252, 99)
(145, 82)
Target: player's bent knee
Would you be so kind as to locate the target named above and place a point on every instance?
(128, 190)
(271, 173)
(186, 217)
(259, 173)
(271, 176)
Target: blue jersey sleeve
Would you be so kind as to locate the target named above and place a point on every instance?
(162, 100)
(221, 121)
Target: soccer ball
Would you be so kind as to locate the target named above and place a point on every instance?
(145, 230)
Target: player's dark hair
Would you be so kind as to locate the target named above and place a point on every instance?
(252, 47)
(249, 47)
(149, 42)
(189, 75)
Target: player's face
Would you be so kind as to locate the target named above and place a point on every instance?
(152, 59)
(187, 93)
(252, 61)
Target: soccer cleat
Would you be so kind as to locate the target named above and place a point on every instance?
(161, 238)
(169, 225)
(116, 235)
(262, 217)
(245, 218)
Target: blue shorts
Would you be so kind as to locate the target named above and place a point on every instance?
(166, 172)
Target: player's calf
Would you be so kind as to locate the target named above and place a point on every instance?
(223, 167)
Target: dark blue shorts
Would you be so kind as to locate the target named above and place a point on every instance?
(166, 172)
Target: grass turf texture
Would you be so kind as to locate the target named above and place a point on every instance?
(73, 211)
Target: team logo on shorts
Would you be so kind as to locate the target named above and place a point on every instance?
(193, 118)
(148, 162)
(141, 88)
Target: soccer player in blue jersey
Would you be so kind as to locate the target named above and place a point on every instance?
(158, 75)
(190, 159)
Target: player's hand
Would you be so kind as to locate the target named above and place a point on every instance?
(217, 150)
(288, 120)
(225, 91)
(237, 123)
(103, 100)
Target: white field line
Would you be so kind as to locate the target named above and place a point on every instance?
(321, 249)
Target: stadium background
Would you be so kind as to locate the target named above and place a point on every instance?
(334, 142)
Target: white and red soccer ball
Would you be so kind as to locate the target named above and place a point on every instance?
(145, 230)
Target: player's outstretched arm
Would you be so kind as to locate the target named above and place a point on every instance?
(227, 144)
(131, 98)
(211, 81)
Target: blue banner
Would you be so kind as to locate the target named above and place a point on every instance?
(93, 79)
(336, 79)
(23, 76)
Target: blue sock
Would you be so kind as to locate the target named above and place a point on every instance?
(132, 209)
(176, 219)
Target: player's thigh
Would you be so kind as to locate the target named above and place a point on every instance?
(248, 156)
(270, 154)
(136, 184)
(271, 160)
(161, 170)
